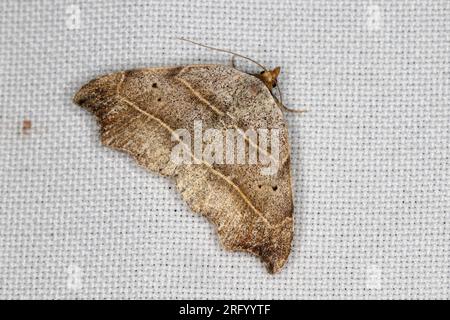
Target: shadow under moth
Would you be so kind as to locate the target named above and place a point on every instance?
(140, 112)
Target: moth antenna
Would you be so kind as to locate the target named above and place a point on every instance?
(280, 102)
(224, 50)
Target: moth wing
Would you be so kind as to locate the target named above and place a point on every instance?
(139, 111)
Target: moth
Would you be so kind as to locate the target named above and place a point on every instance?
(139, 112)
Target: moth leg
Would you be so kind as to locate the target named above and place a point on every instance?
(282, 106)
(292, 110)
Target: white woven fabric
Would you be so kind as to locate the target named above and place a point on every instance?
(370, 157)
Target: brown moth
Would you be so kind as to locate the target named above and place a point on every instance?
(139, 111)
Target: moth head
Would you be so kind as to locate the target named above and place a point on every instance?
(269, 77)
